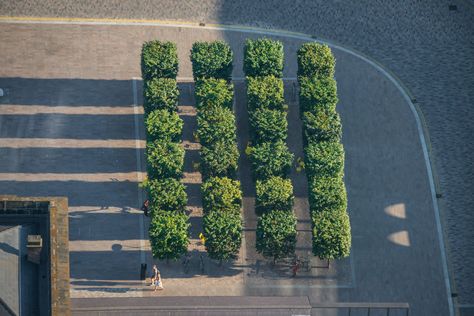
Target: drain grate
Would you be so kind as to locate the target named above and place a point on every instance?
(453, 7)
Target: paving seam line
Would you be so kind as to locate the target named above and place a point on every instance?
(300, 36)
(194, 308)
(301, 286)
(139, 171)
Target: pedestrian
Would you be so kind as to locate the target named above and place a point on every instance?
(156, 278)
(158, 282)
(145, 206)
(154, 275)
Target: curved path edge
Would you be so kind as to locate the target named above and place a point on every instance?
(421, 126)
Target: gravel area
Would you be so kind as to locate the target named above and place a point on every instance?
(424, 43)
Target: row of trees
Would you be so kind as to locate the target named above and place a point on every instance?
(324, 153)
(169, 225)
(269, 155)
(221, 194)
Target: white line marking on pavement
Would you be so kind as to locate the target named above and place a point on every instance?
(84, 177)
(11, 109)
(69, 143)
(139, 168)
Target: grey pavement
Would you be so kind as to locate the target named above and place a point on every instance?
(395, 255)
(424, 43)
(10, 266)
(56, 152)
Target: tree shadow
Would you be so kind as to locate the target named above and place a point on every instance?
(69, 160)
(66, 92)
(79, 193)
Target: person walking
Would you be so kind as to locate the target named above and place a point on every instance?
(158, 282)
(154, 276)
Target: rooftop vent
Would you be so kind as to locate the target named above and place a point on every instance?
(34, 241)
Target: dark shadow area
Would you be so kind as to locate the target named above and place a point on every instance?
(194, 194)
(105, 265)
(196, 227)
(191, 158)
(79, 193)
(295, 139)
(240, 110)
(207, 267)
(120, 127)
(189, 128)
(186, 94)
(91, 225)
(105, 283)
(9, 249)
(67, 92)
(69, 160)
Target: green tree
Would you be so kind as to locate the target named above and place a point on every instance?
(263, 57)
(160, 94)
(212, 93)
(327, 194)
(324, 159)
(274, 193)
(331, 234)
(276, 234)
(167, 194)
(168, 233)
(215, 125)
(164, 126)
(222, 194)
(315, 60)
(268, 126)
(271, 159)
(322, 125)
(317, 93)
(159, 60)
(223, 231)
(265, 93)
(165, 159)
(212, 60)
(219, 159)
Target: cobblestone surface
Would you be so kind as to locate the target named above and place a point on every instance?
(429, 47)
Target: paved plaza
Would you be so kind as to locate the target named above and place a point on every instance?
(71, 125)
(427, 44)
